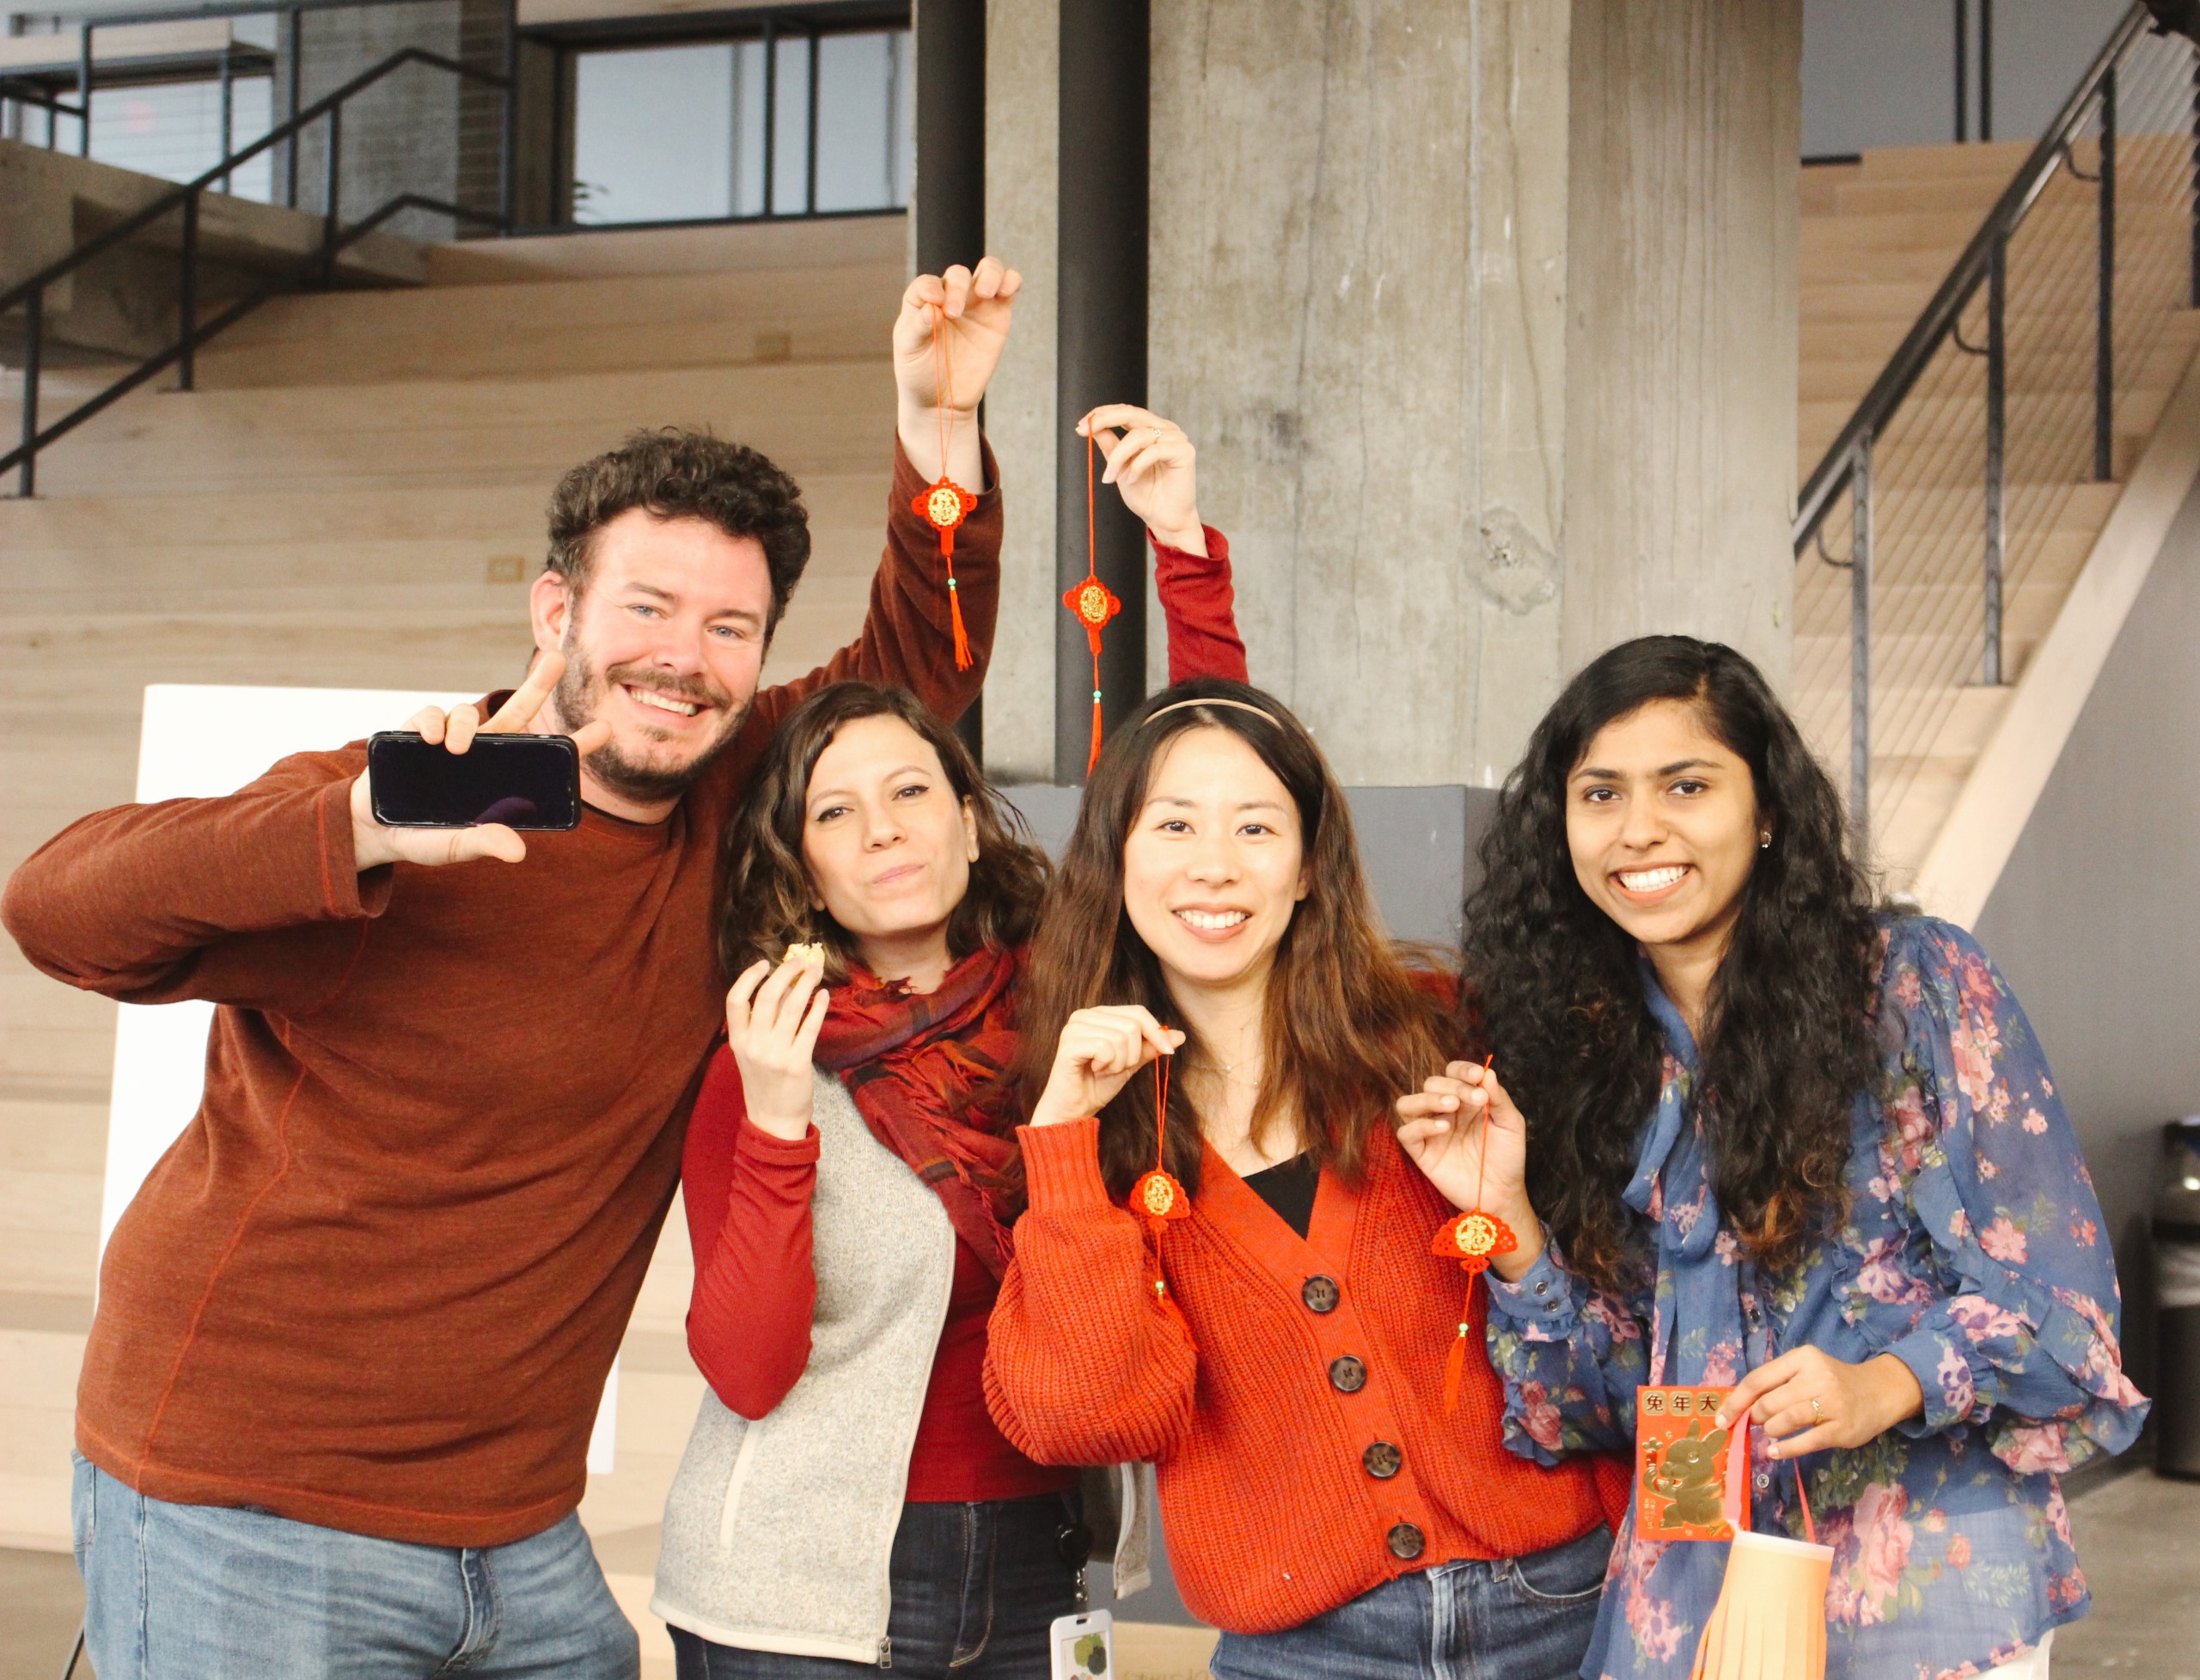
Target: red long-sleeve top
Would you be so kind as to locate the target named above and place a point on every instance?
(1295, 1411)
(748, 1194)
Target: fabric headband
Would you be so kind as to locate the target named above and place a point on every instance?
(1179, 705)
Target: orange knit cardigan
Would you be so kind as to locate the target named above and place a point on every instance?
(1304, 1452)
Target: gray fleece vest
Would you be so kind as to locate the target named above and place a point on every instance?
(779, 1534)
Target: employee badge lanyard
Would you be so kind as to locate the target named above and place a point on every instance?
(944, 503)
(1474, 1240)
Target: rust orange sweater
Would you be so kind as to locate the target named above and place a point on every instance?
(1304, 1452)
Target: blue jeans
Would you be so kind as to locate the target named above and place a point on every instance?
(975, 1588)
(1520, 1618)
(212, 1592)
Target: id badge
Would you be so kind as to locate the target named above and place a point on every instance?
(1082, 1646)
(1689, 1475)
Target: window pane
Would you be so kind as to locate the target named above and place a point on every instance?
(748, 128)
(174, 129)
(653, 133)
(791, 132)
(856, 153)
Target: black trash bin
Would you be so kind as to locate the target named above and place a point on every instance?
(2177, 1275)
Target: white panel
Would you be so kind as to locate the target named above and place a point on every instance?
(200, 743)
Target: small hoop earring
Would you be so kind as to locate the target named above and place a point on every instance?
(1763, 840)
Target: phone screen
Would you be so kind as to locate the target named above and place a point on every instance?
(523, 781)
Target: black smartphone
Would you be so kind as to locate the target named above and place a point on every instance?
(523, 781)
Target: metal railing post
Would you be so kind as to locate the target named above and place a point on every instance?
(84, 90)
(187, 297)
(1997, 370)
(228, 115)
(331, 188)
(2105, 325)
(508, 161)
(1985, 70)
(1963, 72)
(1860, 644)
(33, 325)
(294, 59)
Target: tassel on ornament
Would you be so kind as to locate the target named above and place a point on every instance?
(1157, 1197)
(1092, 603)
(944, 503)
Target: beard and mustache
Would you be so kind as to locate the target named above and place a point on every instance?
(646, 781)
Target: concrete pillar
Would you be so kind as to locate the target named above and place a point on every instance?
(1482, 314)
(1022, 81)
(1681, 350)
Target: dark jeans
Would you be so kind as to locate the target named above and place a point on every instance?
(1519, 1618)
(975, 1588)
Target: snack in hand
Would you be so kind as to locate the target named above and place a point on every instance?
(811, 952)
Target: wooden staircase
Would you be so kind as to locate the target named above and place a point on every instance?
(1878, 237)
(355, 498)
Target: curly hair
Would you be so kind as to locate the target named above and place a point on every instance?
(1553, 987)
(1347, 1025)
(765, 902)
(675, 472)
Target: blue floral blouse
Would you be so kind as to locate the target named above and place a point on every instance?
(1972, 1251)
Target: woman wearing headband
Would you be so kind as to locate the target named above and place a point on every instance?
(1782, 1140)
(1278, 1346)
(846, 1498)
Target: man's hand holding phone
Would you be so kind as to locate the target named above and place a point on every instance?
(375, 843)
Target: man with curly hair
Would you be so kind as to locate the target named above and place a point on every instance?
(352, 1332)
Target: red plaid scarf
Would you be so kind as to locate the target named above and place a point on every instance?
(925, 1069)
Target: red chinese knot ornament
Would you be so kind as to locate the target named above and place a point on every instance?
(1158, 1198)
(1091, 603)
(945, 504)
(1474, 1240)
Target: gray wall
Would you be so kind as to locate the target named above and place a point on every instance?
(1882, 72)
(2096, 919)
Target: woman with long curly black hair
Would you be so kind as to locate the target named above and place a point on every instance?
(1782, 1139)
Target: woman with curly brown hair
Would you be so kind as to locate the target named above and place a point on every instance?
(1338, 1502)
(850, 1182)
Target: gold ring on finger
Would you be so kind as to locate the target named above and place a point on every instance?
(1818, 1411)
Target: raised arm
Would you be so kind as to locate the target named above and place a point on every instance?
(1153, 463)
(908, 636)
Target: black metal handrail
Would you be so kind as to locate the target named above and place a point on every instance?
(1824, 485)
(1848, 466)
(30, 295)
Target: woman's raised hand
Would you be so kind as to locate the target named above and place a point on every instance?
(772, 1020)
(1153, 463)
(1462, 1130)
(1099, 1051)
